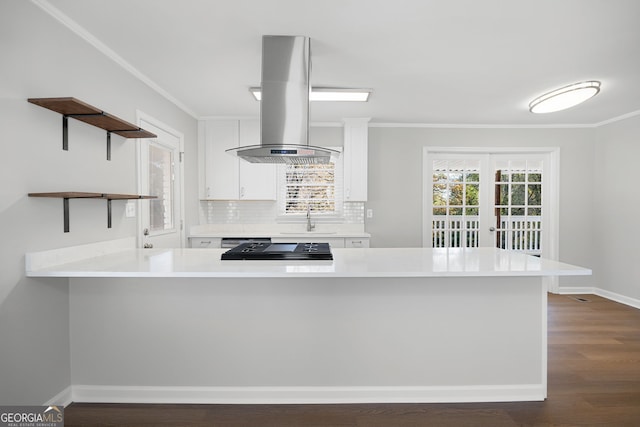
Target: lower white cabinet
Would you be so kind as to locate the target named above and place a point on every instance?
(356, 242)
(204, 242)
(335, 242)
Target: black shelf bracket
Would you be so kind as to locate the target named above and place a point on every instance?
(65, 130)
(108, 213)
(109, 145)
(65, 208)
(65, 133)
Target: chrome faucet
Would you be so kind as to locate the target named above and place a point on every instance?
(310, 227)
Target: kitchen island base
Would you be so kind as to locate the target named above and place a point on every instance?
(308, 340)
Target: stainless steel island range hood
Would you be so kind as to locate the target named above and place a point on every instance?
(284, 107)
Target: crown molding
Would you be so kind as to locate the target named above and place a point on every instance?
(478, 126)
(506, 126)
(618, 118)
(108, 52)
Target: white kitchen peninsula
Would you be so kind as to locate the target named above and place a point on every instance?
(373, 325)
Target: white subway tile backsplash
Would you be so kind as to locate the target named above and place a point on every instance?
(260, 212)
(354, 212)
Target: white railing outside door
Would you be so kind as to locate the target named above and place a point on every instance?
(517, 233)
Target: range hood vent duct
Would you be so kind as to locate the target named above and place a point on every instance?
(284, 107)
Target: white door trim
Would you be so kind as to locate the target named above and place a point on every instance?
(140, 117)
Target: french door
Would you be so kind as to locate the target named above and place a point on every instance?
(493, 198)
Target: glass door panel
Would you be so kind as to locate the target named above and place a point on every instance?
(455, 203)
(161, 164)
(518, 203)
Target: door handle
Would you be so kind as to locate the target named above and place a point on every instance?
(492, 229)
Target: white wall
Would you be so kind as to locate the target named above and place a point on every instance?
(617, 208)
(395, 182)
(41, 58)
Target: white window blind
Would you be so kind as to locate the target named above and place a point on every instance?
(318, 187)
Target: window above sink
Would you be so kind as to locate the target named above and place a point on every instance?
(318, 187)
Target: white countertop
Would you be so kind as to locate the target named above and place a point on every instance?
(368, 262)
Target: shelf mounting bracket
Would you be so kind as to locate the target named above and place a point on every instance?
(65, 133)
(108, 213)
(109, 145)
(65, 208)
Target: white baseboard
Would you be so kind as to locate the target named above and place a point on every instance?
(64, 398)
(308, 395)
(632, 302)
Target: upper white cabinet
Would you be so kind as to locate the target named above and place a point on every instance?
(221, 170)
(257, 180)
(225, 176)
(356, 146)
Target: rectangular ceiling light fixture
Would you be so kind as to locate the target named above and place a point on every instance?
(328, 94)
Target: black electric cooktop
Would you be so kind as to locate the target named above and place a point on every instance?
(279, 251)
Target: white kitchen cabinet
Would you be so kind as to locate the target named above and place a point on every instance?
(335, 242)
(257, 180)
(222, 171)
(205, 242)
(356, 147)
(356, 242)
(226, 177)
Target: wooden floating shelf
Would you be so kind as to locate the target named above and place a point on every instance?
(85, 195)
(79, 110)
(66, 195)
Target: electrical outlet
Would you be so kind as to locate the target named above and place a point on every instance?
(130, 209)
(369, 213)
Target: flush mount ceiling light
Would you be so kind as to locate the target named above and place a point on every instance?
(565, 97)
(328, 94)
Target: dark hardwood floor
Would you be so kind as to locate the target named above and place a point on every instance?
(594, 380)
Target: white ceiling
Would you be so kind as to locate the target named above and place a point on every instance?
(469, 62)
